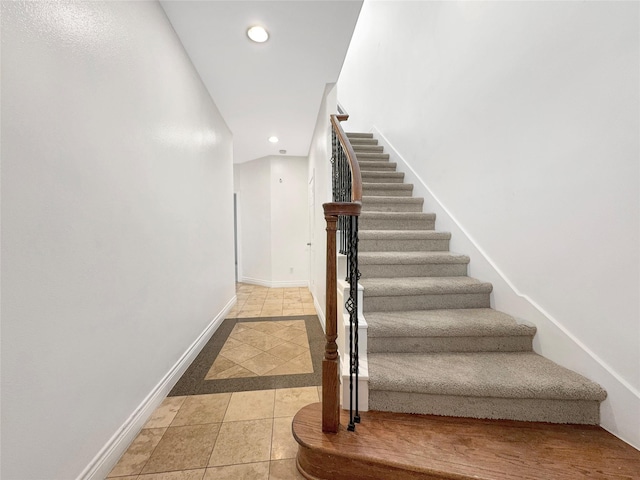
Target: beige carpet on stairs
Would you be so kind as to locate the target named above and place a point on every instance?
(434, 344)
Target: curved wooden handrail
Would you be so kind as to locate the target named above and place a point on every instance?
(332, 212)
(356, 177)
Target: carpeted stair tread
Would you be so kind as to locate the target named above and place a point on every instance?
(391, 199)
(465, 322)
(359, 135)
(377, 166)
(403, 235)
(485, 374)
(410, 258)
(387, 186)
(372, 157)
(378, 203)
(399, 215)
(386, 287)
(359, 147)
(363, 141)
(382, 177)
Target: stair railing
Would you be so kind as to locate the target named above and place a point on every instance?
(341, 215)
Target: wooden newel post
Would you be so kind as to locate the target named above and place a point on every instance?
(330, 379)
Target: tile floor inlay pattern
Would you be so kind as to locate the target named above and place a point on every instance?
(229, 416)
(263, 348)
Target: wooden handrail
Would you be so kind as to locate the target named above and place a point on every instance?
(356, 177)
(333, 210)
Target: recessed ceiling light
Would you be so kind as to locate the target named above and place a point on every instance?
(258, 34)
(273, 139)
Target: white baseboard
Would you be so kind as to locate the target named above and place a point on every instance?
(274, 284)
(109, 455)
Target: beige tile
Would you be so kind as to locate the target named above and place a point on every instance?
(310, 311)
(291, 323)
(271, 312)
(138, 453)
(262, 363)
(242, 442)
(246, 471)
(250, 314)
(287, 350)
(268, 327)
(265, 342)
(183, 448)
(254, 301)
(250, 405)
(286, 368)
(300, 325)
(246, 334)
(180, 475)
(230, 343)
(287, 333)
(283, 445)
(290, 400)
(290, 312)
(304, 362)
(320, 392)
(284, 470)
(239, 327)
(126, 477)
(273, 302)
(199, 409)
(219, 365)
(165, 413)
(301, 339)
(241, 353)
(237, 371)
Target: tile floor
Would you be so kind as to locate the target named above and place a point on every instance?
(258, 301)
(235, 435)
(275, 347)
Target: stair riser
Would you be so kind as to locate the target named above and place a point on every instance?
(359, 135)
(425, 302)
(392, 178)
(448, 344)
(372, 206)
(403, 245)
(396, 224)
(420, 270)
(583, 412)
(374, 192)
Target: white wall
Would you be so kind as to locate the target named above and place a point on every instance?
(320, 192)
(522, 119)
(117, 243)
(274, 221)
(253, 196)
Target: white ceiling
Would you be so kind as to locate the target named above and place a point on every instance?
(274, 88)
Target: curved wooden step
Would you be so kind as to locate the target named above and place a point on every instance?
(396, 446)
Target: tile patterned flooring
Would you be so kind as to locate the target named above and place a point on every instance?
(262, 349)
(234, 435)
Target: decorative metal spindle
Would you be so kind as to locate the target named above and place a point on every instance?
(354, 274)
(346, 224)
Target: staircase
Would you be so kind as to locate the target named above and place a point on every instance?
(435, 346)
(455, 390)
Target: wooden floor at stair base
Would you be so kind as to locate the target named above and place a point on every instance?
(406, 447)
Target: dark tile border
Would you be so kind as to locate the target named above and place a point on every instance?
(192, 381)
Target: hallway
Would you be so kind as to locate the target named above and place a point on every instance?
(219, 422)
